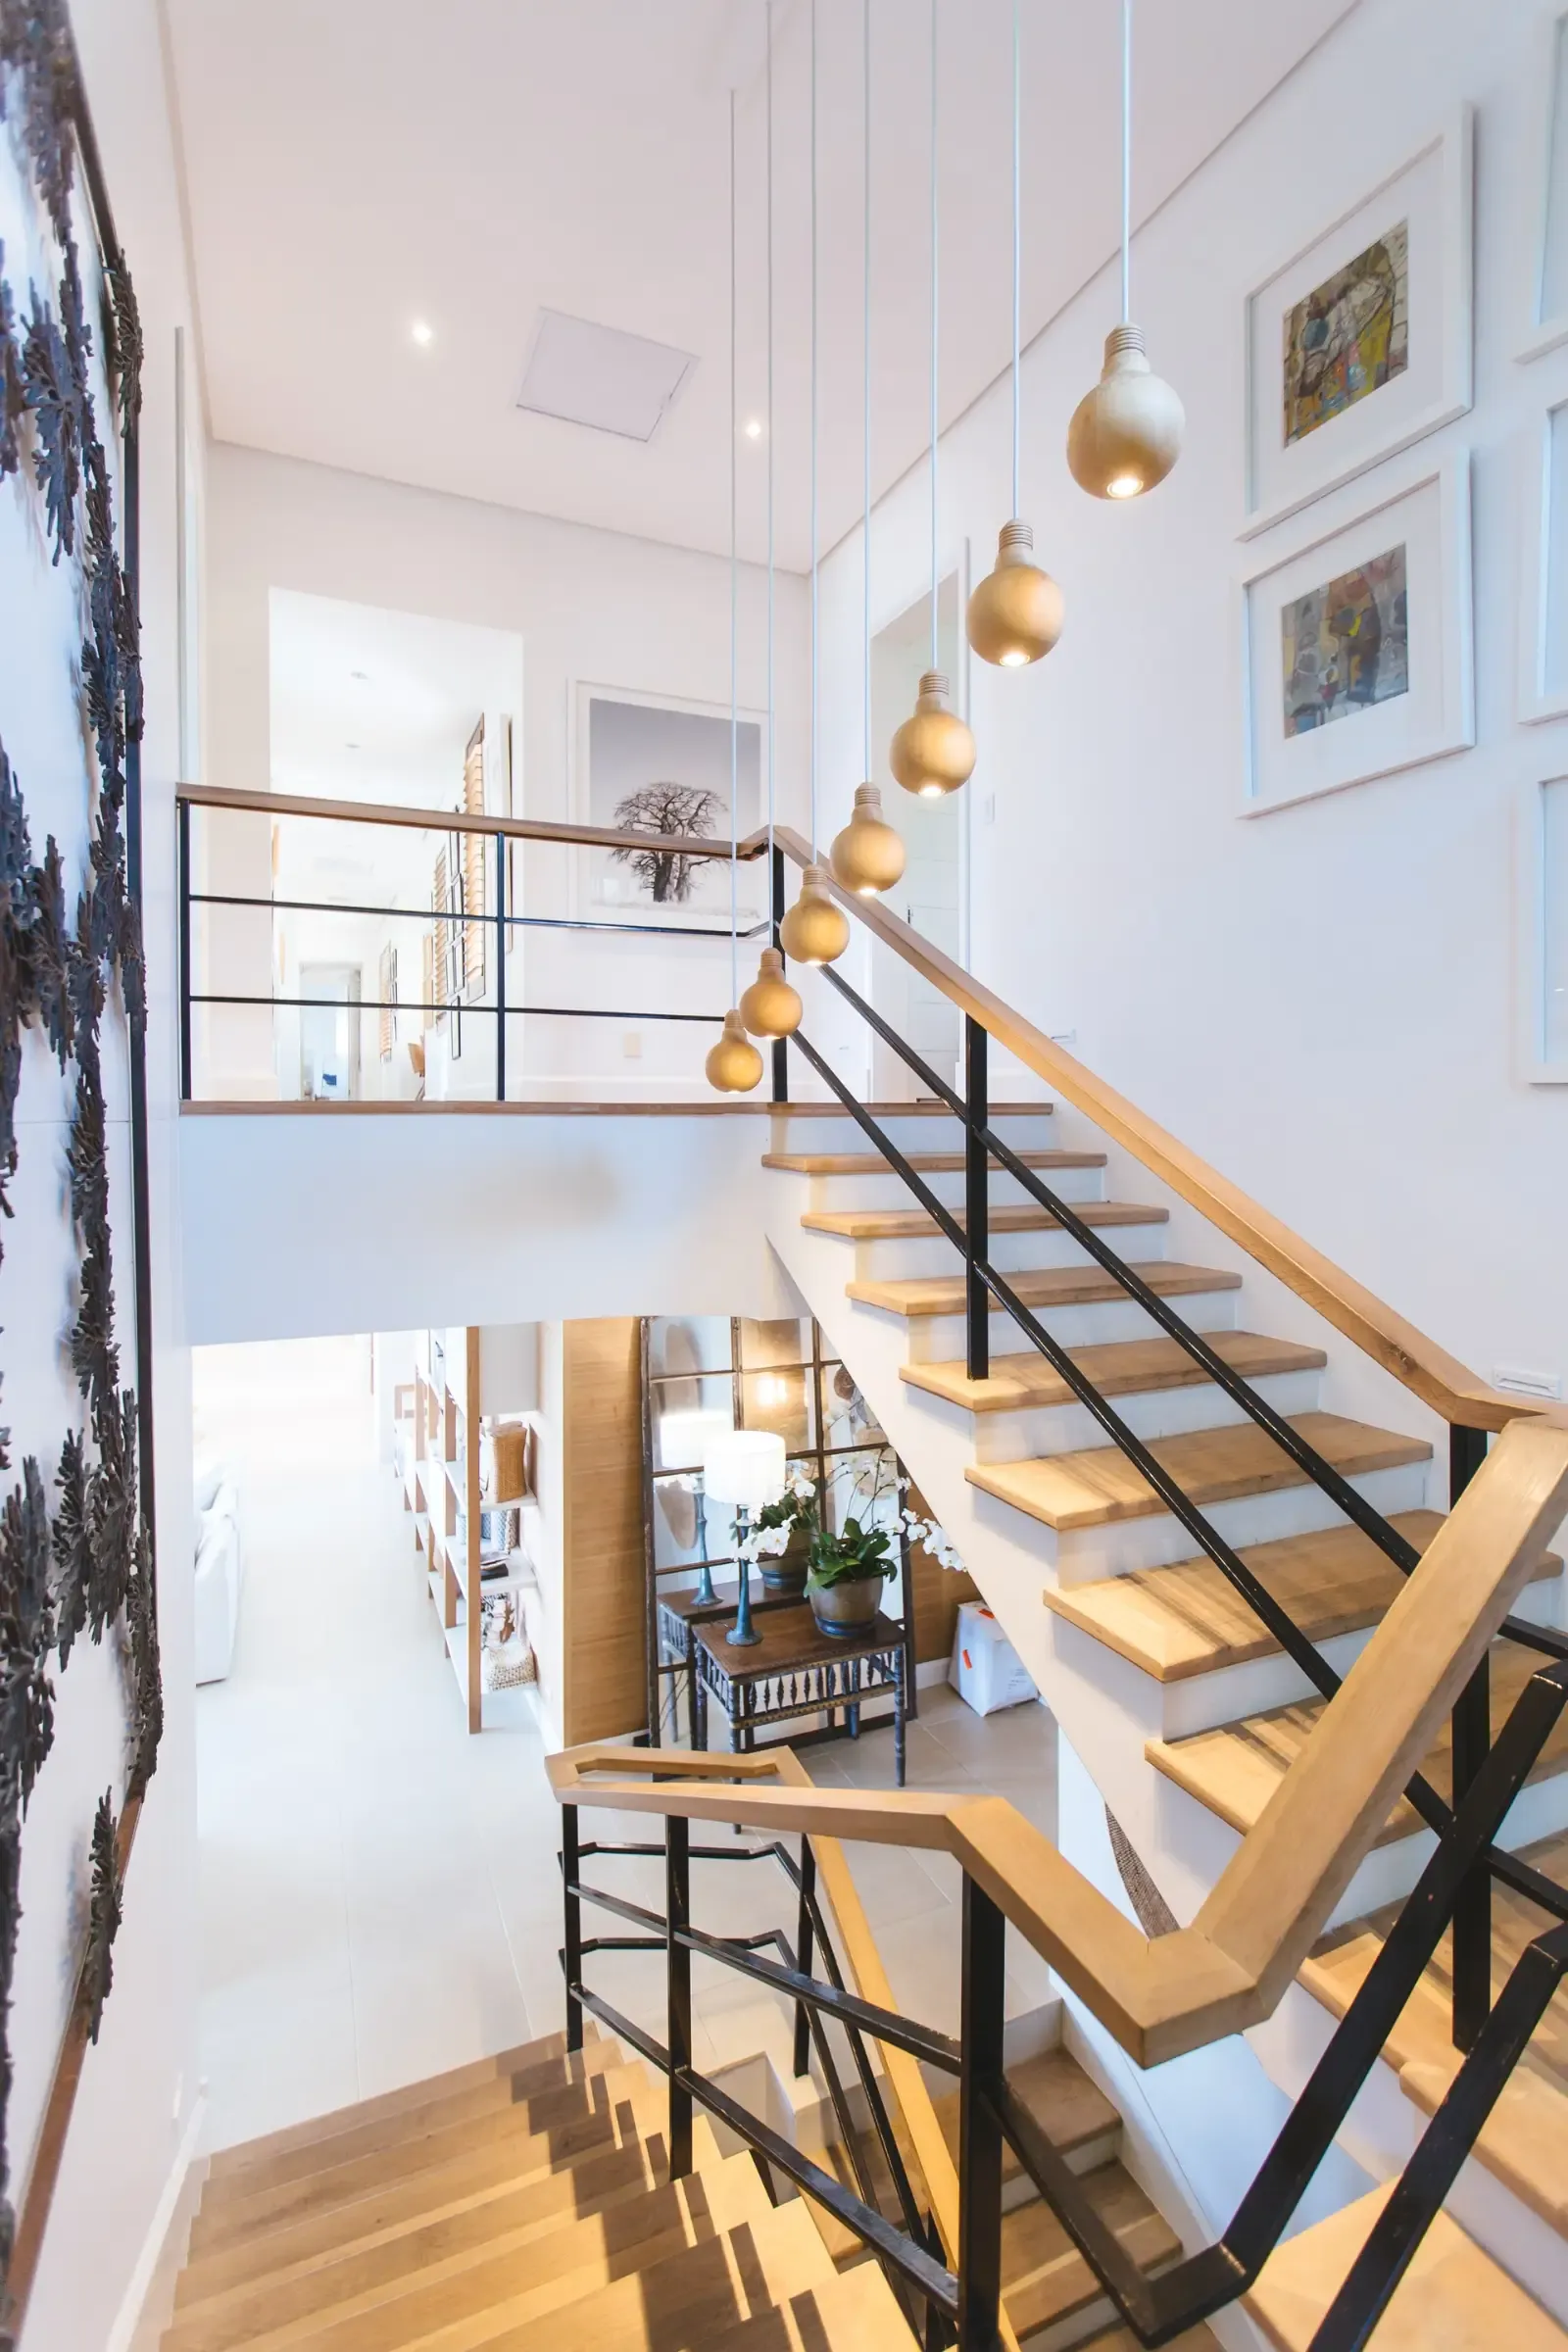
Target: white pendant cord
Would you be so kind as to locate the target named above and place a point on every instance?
(734, 595)
(935, 314)
(772, 736)
(1126, 160)
(815, 599)
(1017, 259)
(865, 266)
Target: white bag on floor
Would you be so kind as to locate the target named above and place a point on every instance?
(987, 1672)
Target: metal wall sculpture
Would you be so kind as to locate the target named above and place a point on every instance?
(76, 1534)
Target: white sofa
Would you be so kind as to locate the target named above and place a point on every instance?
(219, 1570)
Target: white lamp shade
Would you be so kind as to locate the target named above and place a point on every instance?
(744, 1467)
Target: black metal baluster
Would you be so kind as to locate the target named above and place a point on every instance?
(979, 2125)
(183, 844)
(976, 1199)
(802, 1955)
(781, 1058)
(500, 968)
(1471, 1741)
(678, 1971)
(571, 1954)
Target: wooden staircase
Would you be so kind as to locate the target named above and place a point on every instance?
(529, 2190)
(1114, 1568)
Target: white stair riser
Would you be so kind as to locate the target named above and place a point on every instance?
(1155, 1413)
(910, 1259)
(888, 1189)
(1031, 1133)
(1087, 1552)
(939, 1339)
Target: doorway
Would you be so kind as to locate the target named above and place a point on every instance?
(330, 1032)
(933, 895)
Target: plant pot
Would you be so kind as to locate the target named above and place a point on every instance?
(786, 1571)
(848, 1607)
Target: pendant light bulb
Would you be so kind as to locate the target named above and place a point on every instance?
(1126, 434)
(734, 1065)
(1015, 613)
(815, 930)
(770, 1008)
(933, 752)
(869, 854)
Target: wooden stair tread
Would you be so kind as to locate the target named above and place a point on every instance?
(1524, 2141)
(1234, 1770)
(1117, 1368)
(927, 1107)
(1039, 1286)
(924, 1163)
(611, 2109)
(582, 2182)
(1122, 2339)
(1046, 2279)
(1101, 1487)
(1069, 2107)
(1020, 1216)
(690, 2299)
(473, 2291)
(525, 2057)
(530, 2090)
(1452, 2298)
(1189, 1619)
(852, 2313)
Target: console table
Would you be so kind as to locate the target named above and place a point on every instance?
(795, 1670)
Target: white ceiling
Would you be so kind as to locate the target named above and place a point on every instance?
(354, 165)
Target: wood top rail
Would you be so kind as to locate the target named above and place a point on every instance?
(457, 821)
(1429, 1371)
(1163, 1996)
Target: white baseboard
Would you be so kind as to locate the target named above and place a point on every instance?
(148, 2304)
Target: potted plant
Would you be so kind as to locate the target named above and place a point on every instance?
(847, 1575)
(780, 1537)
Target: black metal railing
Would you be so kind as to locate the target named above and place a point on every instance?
(498, 922)
(985, 1289)
(962, 2304)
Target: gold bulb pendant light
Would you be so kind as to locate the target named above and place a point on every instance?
(1015, 613)
(815, 930)
(770, 1008)
(1126, 434)
(933, 752)
(869, 854)
(734, 1065)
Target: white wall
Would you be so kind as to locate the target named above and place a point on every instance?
(139, 2088)
(592, 608)
(1321, 1000)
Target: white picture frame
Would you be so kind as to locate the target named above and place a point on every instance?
(1431, 194)
(1541, 899)
(593, 872)
(1543, 569)
(1424, 516)
(1543, 288)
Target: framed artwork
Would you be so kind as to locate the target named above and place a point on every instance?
(1356, 646)
(1360, 344)
(1544, 570)
(1543, 932)
(647, 764)
(1544, 300)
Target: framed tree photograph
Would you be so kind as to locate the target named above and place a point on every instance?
(648, 764)
(1543, 569)
(1361, 343)
(1544, 250)
(1543, 932)
(1356, 646)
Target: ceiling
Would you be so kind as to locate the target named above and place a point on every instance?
(355, 168)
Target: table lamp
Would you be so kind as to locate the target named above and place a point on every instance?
(745, 1468)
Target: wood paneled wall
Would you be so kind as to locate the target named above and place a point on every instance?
(603, 1604)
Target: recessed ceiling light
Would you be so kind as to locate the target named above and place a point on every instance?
(361, 674)
(598, 375)
(753, 428)
(423, 332)
(351, 746)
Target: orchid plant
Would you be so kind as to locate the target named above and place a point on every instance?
(774, 1527)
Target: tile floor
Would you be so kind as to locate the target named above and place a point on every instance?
(379, 1890)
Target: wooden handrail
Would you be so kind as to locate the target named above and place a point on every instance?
(1163, 1996)
(459, 820)
(1429, 1371)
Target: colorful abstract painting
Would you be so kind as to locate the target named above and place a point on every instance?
(1346, 645)
(1349, 336)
